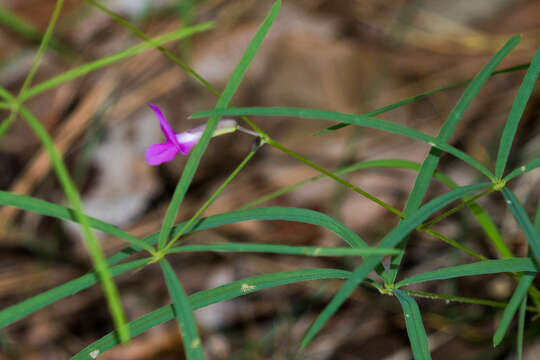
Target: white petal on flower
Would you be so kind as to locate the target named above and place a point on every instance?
(187, 137)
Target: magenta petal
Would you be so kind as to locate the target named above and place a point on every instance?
(165, 126)
(160, 153)
(186, 147)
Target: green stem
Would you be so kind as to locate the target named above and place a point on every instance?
(460, 299)
(166, 52)
(209, 201)
(98, 258)
(42, 47)
(335, 177)
(456, 208)
(455, 244)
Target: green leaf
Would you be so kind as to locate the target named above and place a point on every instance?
(283, 249)
(18, 311)
(422, 96)
(478, 212)
(43, 207)
(537, 219)
(477, 268)
(368, 164)
(208, 297)
(94, 248)
(523, 221)
(521, 328)
(531, 165)
(415, 328)
(196, 154)
(517, 299)
(431, 161)
(360, 120)
(121, 55)
(391, 240)
(183, 313)
(520, 102)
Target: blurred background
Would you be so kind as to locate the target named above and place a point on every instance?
(347, 56)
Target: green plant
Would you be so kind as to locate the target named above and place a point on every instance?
(414, 217)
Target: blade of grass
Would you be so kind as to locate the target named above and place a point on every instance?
(415, 328)
(121, 55)
(478, 212)
(283, 249)
(368, 164)
(521, 328)
(33, 68)
(183, 313)
(523, 221)
(477, 268)
(208, 297)
(158, 46)
(517, 299)
(431, 161)
(28, 31)
(196, 154)
(18, 311)
(98, 258)
(25, 308)
(43, 207)
(6, 95)
(520, 102)
(531, 165)
(360, 120)
(422, 96)
(537, 219)
(42, 47)
(390, 241)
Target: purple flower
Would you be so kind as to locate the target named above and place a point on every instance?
(182, 142)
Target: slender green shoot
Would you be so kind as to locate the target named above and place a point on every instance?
(223, 101)
(212, 198)
(109, 287)
(518, 107)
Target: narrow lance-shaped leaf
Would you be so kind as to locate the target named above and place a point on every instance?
(517, 298)
(96, 254)
(521, 328)
(418, 97)
(432, 159)
(520, 102)
(283, 249)
(524, 222)
(27, 307)
(531, 165)
(184, 313)
(18, 311)
(208, 297)
(43, 207)
(193, 161)
(478, 268)
(389, 241)
(415, 328)
(360, 120)
(121, 55)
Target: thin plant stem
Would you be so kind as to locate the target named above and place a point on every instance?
(208, 202)
(460, 299)
(42, 46)
(457, 208)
